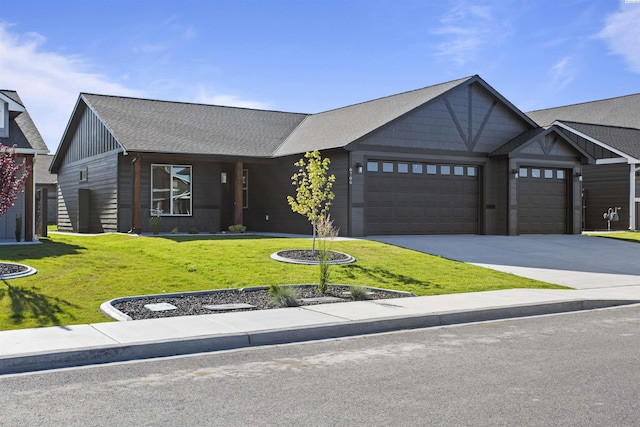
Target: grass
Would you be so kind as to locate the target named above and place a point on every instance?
(630, 236)
(78, 273)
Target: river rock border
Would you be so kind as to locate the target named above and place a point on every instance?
(15, 270)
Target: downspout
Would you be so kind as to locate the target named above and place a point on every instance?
(134, 208)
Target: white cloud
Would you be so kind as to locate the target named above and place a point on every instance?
(622, 34)
(48, 82)
(562, 72)
(204, 97)
(466, 28)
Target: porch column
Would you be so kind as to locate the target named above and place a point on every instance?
(632, 196)
(237, 204)
(136, 219)
(29, 197)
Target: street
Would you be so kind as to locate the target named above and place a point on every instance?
(575, 369)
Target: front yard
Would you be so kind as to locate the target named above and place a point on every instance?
(78, 273)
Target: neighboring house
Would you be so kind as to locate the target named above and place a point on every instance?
(17, 128)
(451, 158)
(47, 180)
(610, 130)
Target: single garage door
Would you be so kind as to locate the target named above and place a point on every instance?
(542, 201)
(421, 198)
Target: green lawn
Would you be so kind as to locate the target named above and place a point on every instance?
(78, 273)
(631, 236)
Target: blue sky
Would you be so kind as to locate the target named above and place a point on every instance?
(312, 55)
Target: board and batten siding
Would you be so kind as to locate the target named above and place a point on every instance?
(604, 187)
(92, 152)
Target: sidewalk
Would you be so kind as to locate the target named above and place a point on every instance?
(57, 347)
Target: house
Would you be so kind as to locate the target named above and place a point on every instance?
(17, 129)
(45, 180)
(456, 157)
(610, 130)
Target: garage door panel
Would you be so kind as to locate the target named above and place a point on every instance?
(422, 203)
(542, 202)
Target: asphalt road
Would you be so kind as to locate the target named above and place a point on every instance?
(577, 369)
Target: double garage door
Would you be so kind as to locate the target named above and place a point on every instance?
(421, 198)
(430, 198)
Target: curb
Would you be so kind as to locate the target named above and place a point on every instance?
(147, 350)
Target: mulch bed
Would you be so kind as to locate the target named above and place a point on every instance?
(193, 304)
(309, 255)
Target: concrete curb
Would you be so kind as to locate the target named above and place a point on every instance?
(22, 363)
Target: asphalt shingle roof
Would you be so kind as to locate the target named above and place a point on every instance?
(623, 139)
(175, 127)
(22, 131)
(42, 174)
(623, 111)
(338, 128)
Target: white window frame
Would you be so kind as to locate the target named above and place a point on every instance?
(157, 212)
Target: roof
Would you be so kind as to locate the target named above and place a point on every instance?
(22, 131)
(516, 142)
(42, 174)
(626, 140)
(339, 127)
(621, 111)
(146, 125)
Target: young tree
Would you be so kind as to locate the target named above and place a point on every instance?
(313, 189)
(11, 182)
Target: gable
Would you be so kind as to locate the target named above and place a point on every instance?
(468, 118)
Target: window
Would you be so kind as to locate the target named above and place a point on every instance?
(471, 171)
(560, 174)
(403, 168)
(535, 173)
(372, 166)
(432, 169)
(245, 188)
(416, 168)
(523, 172)
(458, 170)
(387, 167)
(548, 173)
(84, 175)
(170, 190)
(445, 170)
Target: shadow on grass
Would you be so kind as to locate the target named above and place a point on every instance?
(193, 237)
(385, 277)
(45, 249)
(30, 303)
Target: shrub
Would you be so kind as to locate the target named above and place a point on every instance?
(174, 231)
(155, 222)
(194, 231)
(284, 296)
(327, 232)
(237, 228)
(359, 293)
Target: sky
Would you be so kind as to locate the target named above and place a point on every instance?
(309, 56)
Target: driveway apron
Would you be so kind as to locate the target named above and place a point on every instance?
(577, 261)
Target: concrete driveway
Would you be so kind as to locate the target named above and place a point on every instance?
(577, 261)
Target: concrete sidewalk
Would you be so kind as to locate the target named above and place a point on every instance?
(65, 346)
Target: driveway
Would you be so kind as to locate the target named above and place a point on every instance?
(577, 261)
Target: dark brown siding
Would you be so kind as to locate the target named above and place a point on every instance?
(604, 187)
(101, 173)
(206, 195)
(270, 184)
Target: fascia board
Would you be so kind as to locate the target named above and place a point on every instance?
(629, 158)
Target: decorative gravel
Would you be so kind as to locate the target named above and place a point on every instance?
(309, 255)
(6, 269)
(193, 304)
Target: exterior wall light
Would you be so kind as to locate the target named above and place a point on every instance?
(359, 167)
(515, 173)
(223, 177)
(579, 176)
